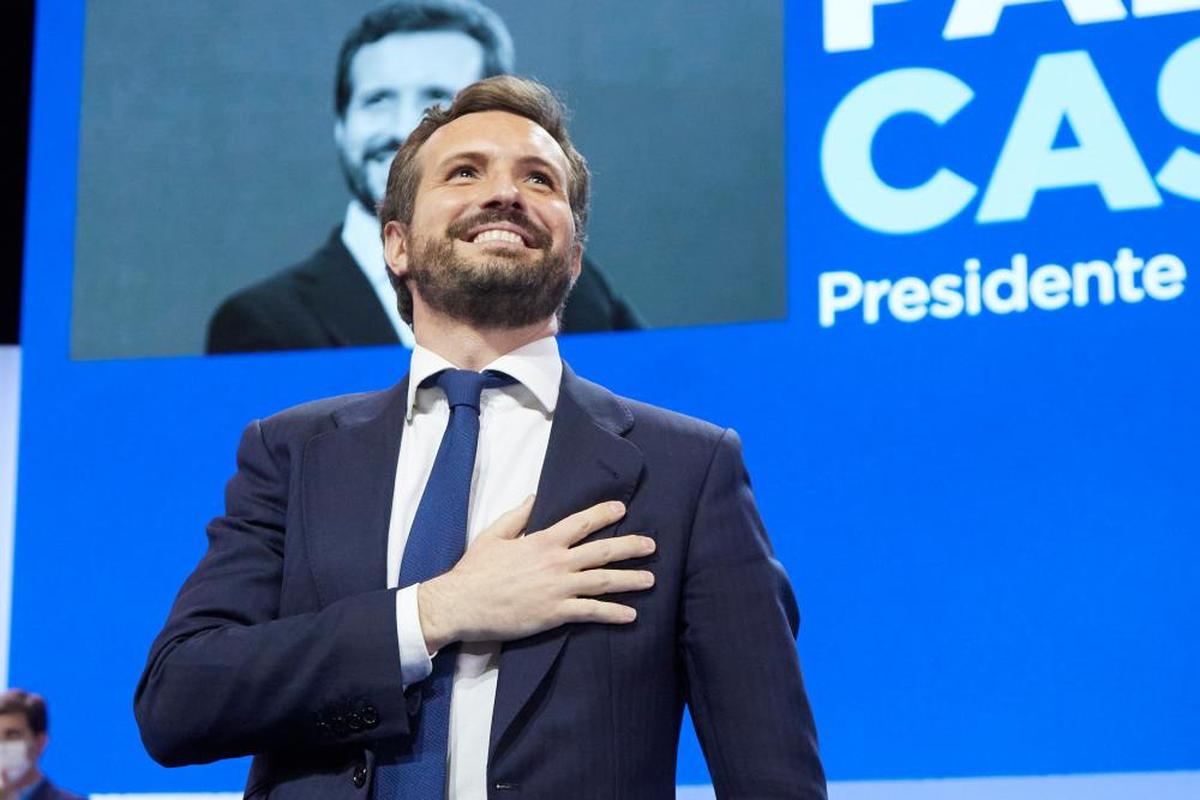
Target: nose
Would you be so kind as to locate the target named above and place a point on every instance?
(407, 117)
(503, 192)
(397, 120)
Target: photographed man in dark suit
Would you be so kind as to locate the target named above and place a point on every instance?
(398, 61)
(24, 735)
(369, 620)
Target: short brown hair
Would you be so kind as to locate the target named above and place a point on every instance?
(520, 96)
(415, 16)
(19, 701)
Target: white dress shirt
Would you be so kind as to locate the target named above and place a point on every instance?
(514, 429)
(360, 235)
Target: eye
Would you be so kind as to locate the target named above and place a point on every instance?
(437, 94)
(463, 171)
(541, 178)
(375, 98)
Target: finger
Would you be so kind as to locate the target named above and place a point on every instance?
(510, 524)
(579, 525)
(611, 581)
(608, 551)
(586, 610)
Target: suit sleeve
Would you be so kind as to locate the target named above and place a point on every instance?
(744, 685)
(228, 676)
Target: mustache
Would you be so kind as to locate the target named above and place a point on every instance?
(383, 149)
(538, 237)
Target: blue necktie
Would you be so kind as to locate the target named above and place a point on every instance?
(435, 544)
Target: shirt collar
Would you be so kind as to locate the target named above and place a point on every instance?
(360, 234)
(536, 366)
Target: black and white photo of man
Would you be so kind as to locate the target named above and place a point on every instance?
(399, 60)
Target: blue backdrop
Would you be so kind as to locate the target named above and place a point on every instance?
(990, 518)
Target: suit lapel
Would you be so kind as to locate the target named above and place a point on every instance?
(342, 298)
(349, 480)
(587, 461)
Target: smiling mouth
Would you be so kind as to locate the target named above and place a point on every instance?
(498, 235)
(503, 229)
(502, 232)
(382, 150)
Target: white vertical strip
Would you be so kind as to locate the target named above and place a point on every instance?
(1118, 786)
(10, 401)
(1114, 786)
(197, 796)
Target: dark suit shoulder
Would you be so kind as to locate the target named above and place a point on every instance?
(283, 289)
(673, 422)
(317, 416)
(331, 257)
(271, 314)
(620, 414)
(594, 305)
(322, 301)
(284, 436)
(687, 444)
(275, 293)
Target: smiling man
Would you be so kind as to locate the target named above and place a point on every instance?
(399, 60)
(495, 579)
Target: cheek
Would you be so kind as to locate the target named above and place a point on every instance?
(359, 128)
(562, 221)
(439, 211)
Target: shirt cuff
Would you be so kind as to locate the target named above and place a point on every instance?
(415, 662)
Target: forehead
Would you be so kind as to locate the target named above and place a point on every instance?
(13, 721)
(448, 59)
(496, 134)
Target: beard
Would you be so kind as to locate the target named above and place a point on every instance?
(357, 171)
(500, 292)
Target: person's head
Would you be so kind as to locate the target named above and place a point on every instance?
(486, 207)
(399, 60)
(23, 735)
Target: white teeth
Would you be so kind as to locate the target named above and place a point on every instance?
(496, 235)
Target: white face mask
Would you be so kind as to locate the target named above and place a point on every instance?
(14, 760)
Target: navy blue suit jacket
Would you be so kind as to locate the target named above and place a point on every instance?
(283, 644)
(45, 790)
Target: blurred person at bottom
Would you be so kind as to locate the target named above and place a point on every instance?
(23, 739)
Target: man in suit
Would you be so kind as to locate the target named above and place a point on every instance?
(337, 630)
(398, 60)
(24, 734)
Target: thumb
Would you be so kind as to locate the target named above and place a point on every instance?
(510, 524)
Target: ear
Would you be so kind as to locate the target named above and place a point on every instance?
(395, 247)
(576, 261)
(339, 132)
(39, 745)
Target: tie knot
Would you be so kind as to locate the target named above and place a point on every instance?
(463, 386)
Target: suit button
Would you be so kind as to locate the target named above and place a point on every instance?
(360, 775)
(370, 716)
(355, 722)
